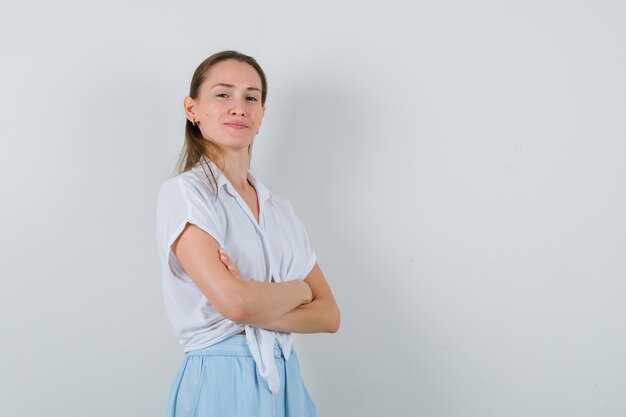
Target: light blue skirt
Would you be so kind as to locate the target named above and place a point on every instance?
(222, 381)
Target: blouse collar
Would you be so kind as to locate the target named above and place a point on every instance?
(262, 191)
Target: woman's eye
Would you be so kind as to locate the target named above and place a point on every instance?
(252, 98)
(222, 95)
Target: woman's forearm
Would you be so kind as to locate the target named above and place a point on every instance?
(318, 316)
(265, 302)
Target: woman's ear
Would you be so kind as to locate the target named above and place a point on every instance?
(189, 106)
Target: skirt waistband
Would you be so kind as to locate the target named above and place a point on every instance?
(235, 345)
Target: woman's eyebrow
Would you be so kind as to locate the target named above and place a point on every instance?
(232, 86)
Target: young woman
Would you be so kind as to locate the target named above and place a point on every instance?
(239, 273)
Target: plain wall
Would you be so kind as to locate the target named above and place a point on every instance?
(460, 167)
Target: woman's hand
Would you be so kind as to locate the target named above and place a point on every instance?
(230, 265)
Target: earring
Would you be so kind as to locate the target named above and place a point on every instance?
(193, 122)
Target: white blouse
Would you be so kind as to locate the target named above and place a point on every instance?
(278, 246)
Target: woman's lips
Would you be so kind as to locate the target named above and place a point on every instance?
(236, 125)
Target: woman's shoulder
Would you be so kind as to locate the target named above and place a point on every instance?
(187, 188)
(188, 180)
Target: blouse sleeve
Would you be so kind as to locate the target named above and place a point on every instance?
(304, 242)
(181, 201)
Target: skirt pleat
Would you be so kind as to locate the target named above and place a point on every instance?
(222, 380)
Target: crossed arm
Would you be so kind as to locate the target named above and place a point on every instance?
(297, 306)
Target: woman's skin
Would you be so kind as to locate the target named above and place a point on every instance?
(229, 112)
(313, 317)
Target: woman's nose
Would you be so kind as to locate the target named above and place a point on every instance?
(237, 108)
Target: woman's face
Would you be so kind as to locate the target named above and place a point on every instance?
(228, 108)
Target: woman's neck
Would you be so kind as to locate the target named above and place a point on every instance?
(235, 168)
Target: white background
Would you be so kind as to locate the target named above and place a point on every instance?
(460, 167)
